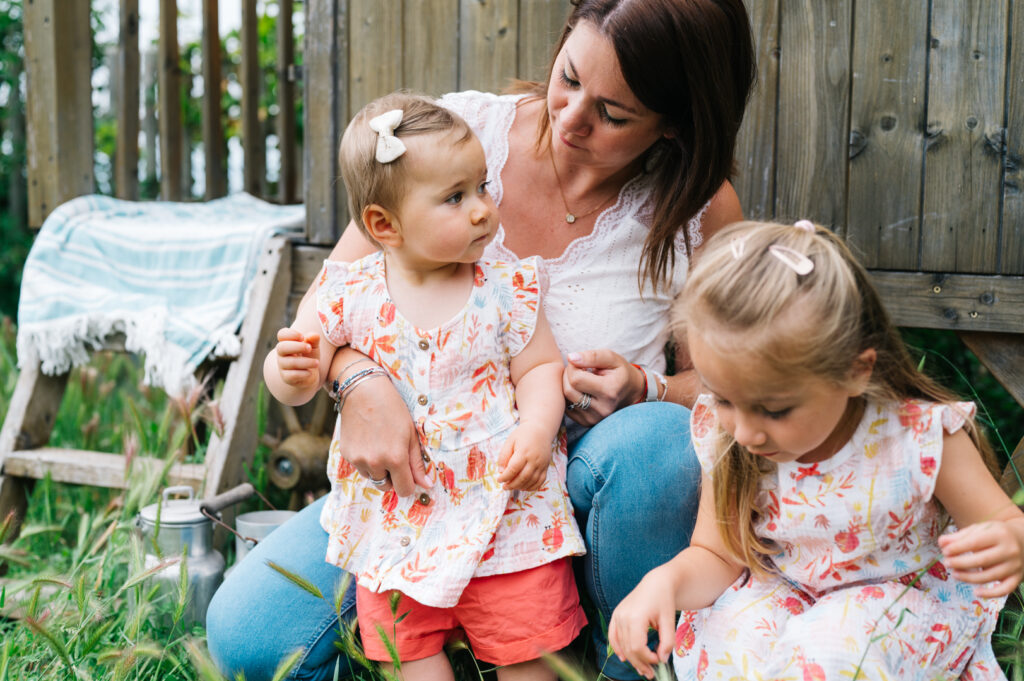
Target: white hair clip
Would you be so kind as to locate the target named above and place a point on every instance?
(805, 225)
(794, 260)
(389, 147)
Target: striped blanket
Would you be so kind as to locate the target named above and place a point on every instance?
(174, 278)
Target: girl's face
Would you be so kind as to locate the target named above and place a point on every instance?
(595, 118)
(446, 215)
(783, 419)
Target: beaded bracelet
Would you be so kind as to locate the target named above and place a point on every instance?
(350, 384)
(334, 392)
(338, 392)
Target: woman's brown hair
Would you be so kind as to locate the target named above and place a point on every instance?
(691, 62)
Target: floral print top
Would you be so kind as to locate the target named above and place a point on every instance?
(455, 380)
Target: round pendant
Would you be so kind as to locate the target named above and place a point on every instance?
(570, 218)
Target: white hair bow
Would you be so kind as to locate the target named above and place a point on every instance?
(389, 147)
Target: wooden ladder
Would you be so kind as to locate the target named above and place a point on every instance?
(24, 456)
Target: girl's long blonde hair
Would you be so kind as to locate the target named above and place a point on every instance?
(743, 297)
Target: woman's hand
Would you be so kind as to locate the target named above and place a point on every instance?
(988, 553)
(379, 439)
(650, 605)
(607, 377)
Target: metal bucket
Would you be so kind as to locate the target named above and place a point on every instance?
(254, 527)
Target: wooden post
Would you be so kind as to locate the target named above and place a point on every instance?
(326, 65)
(1011, 253)
(126, 159)
(487, 44)
(213, 128)
(286, 142)
(170, 103)
(149, 124)
(59, 127)
(425, 33)
(540, 25)
(252, 141)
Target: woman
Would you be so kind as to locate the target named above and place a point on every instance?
(614, 171)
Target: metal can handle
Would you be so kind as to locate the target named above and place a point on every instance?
(228, 498)
(179, 489)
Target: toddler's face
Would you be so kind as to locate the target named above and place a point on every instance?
(781, 418)
(447, 214)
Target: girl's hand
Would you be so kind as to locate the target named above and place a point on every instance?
(650, 605)
(378, 437)
(524, 458)
(298, 358)
(989, 553)
(607, 377)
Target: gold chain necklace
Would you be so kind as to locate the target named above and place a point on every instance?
(571, 217)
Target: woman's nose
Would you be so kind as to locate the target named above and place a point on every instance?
(574, 117)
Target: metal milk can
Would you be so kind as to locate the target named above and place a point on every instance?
(180, 524)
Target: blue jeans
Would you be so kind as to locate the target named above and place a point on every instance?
(257, 617)
(634, 482)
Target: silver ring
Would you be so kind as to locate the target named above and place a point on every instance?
(378, 483)
(583, 403)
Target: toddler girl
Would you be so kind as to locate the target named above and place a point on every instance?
(486, 549)
(835, 476)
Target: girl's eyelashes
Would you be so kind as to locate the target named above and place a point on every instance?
(483, 186)
(454, 199)
(778, 413)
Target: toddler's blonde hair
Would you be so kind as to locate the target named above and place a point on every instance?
(368, 181)
(741, 298)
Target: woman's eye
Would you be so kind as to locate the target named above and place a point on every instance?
(566, 80)
(454, 198)
(608, 119)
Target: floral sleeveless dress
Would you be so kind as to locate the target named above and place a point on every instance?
(456, 384)
(855, 532)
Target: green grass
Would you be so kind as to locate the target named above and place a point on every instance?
(76, 587)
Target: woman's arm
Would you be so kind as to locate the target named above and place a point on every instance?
(692, 580)
(988, 549)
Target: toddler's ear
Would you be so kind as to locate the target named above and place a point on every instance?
(382, 225)
(860, 372)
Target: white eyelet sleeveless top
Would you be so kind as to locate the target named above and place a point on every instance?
(591, 294)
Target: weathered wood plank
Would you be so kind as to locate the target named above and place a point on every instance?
(126, 154)
(100, 469)
(214, 150)
(430, 57)
(252, 138)
(540, 25)
(966, 82)
(325, 111)
(755, 146)
(59, 127)
(487, 43)
(813, 124)
(375, 60)
(961, 302)
(306, 263)
(287, 180)
(1003, 355)
(1011, 252)
(886, 134)
(169, 98)
(228, 451)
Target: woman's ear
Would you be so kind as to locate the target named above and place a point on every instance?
(860, 372)
(382, 225)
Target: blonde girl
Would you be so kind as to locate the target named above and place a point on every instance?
(483, 548)
(835, 476)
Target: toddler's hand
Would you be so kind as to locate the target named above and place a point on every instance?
(298, 358)
(524, 459)
(989, 553)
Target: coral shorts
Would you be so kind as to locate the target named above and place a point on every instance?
(506, 618)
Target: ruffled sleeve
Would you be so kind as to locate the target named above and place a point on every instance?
(926, 424)
(332, 284)
(525, 291)
(704, 432)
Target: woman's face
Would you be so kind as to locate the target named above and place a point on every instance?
(595, 118)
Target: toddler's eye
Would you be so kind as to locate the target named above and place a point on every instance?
(483, 187)
(778, 414)
(454, 199)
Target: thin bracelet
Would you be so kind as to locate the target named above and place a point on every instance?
(353, 382)
(653, 384)
(334, 392)
(339, 390)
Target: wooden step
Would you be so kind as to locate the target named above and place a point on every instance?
(82, 467)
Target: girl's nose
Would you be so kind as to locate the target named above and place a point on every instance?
(481, 210)
(747, 432)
